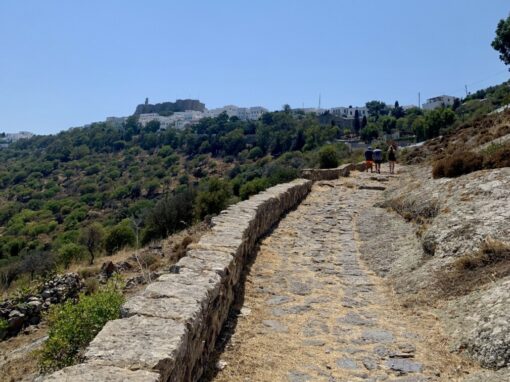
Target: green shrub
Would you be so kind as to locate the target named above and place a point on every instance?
(255, 153)
(120, 236)
(73, 326)
(212, 198)
(328, 157)
(169, 215)
(253, 187)
(70, 252)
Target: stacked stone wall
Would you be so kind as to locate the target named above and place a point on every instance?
(316, 174)
(169, 331)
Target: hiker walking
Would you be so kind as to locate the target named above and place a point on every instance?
(369, 159)
(392, 158)
(378, 160)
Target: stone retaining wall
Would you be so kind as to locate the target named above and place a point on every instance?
(316, 174)
(169, 331)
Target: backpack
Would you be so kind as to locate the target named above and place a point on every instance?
(377, 154)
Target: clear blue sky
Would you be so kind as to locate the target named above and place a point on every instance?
(67, 63)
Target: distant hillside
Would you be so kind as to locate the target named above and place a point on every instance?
(129, 179)
(166, 108)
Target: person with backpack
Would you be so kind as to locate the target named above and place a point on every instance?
(392, 158)
(378, 160)
(369, 159)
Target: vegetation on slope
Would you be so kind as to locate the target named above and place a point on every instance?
(94, 190)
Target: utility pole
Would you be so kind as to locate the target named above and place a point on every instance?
(419, 100)
(319, 101)
(465, 86)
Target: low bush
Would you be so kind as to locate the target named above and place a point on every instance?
(418, 210)
(491, 251)
(212, 197)
(328, 157)
(459, 163)
(72, 326)
(497, 156)
(91, 285)
(120, 236)
(253, 187)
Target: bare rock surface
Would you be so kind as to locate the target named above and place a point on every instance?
(416, 258)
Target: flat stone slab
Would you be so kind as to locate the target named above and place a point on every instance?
(347, 363)
(297, 309)
(178, 309)
(278, 300)
(374, 336)
(355, 319)
(275, 326)
(404, 365)
(139, 342)
(87, 372)
(296, 376)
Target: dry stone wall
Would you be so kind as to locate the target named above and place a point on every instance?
(316, 174)
(169, 331)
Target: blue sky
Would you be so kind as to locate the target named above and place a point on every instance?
(67, 63)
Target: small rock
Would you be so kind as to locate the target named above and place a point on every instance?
(404, 366)
(296, 376)
(277, 300)
(369, 363)
(375, 336)
(346, 363)
(220, 365)
(275, 326)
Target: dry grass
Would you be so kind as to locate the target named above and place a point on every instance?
(459, 163)
(469, 272)
(417, 211)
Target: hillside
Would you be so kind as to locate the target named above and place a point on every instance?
(132, 179)
(146, 182)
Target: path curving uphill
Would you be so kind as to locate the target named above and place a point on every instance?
(313, 312)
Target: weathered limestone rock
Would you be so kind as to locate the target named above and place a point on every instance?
(95, 373)
(140, 342)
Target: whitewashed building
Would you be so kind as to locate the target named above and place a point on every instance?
(244, 113)
(349, 112)
(178, 119)
(437, 102)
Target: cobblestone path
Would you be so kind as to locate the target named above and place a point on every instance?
(313, 312)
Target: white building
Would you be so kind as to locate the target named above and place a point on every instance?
(182, 119)
(178, 119)
(348, 112)
(244, 113)
(17, 136)
(440, 101)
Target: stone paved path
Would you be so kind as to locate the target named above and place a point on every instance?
(313, 312)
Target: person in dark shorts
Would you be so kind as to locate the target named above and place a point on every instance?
(369, 159)
(392, 158)
(378, 160)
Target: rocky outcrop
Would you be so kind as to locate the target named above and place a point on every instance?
(171, 328)
(479, 324)
(453, 220)
(20, 313)
(316, 174)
